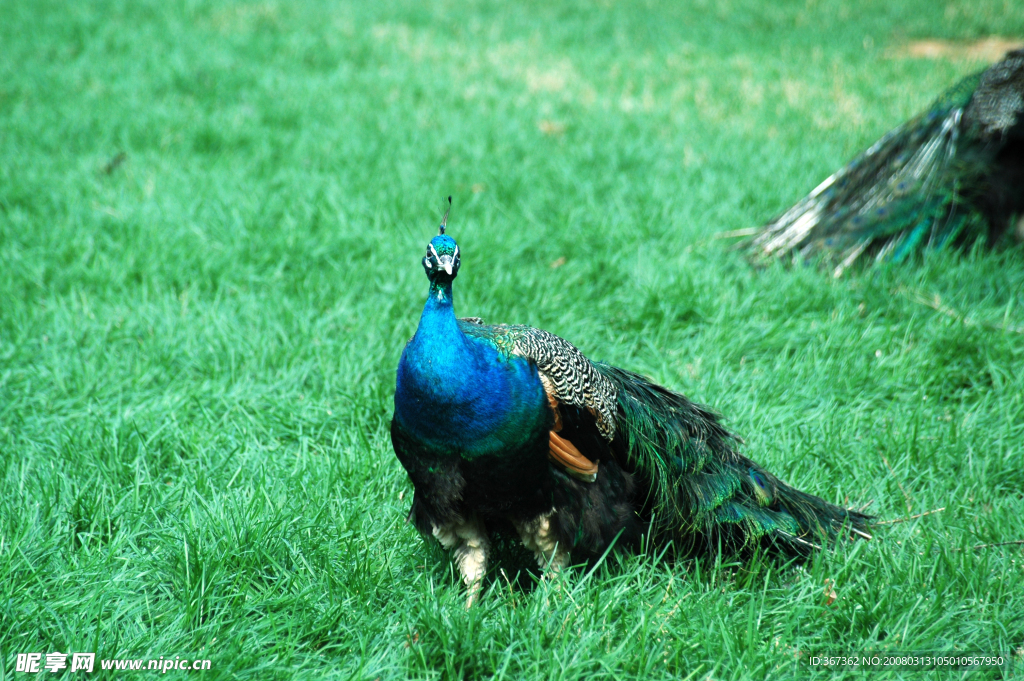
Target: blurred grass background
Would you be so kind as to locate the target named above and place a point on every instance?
(211, 215)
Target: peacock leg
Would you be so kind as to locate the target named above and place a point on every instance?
(469, 540)
(538, 535)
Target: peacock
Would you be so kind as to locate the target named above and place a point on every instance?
(511, 426)
(953, 174)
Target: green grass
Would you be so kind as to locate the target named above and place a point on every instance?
(197, 348)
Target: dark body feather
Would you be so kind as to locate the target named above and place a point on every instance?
(954, 173)
(513, 425)
(520, 483)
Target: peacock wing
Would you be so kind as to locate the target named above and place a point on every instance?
(997, 105)
(582, 399)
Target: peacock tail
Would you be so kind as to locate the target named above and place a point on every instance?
(952, 174)
(701, 492)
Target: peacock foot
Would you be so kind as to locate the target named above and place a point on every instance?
(468, 539)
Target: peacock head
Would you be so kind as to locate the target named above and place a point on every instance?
(442, 259)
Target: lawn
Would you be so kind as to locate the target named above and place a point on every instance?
(211, 220)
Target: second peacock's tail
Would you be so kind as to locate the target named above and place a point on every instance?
(701, 492)
(953, 174)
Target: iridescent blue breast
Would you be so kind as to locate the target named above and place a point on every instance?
(457, 395)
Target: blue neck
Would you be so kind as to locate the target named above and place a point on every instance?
(458, 394)
(439, 302)
(438, 334)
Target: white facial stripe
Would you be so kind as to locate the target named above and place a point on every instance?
(434, 251)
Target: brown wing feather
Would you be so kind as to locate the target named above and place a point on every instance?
(563, 452)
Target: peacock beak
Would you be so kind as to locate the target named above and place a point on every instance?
(446, 262)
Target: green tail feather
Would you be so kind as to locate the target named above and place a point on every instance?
(921, 186)
(700, 488)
